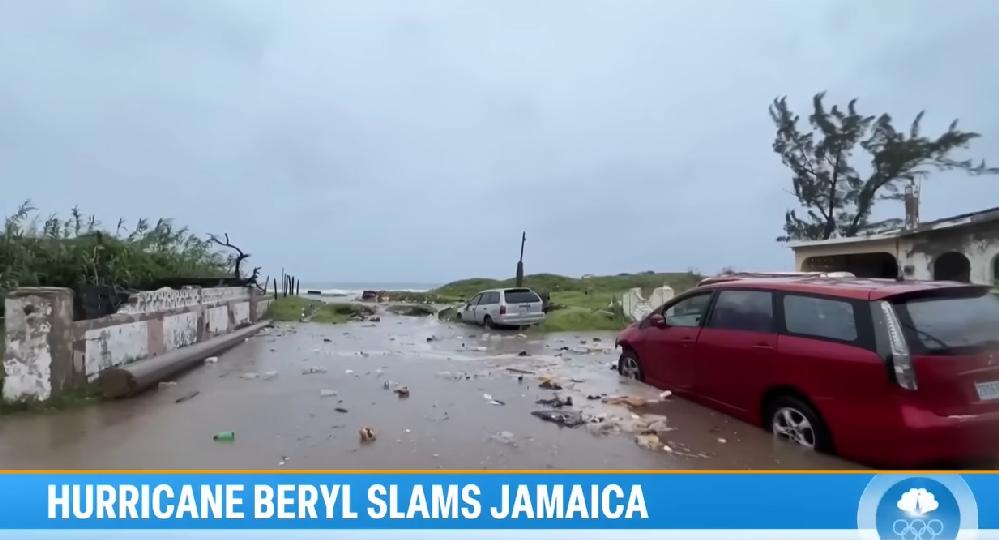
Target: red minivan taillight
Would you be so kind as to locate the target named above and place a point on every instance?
(503, 309)
(901, 357)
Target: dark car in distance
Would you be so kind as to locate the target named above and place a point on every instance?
(886, 372)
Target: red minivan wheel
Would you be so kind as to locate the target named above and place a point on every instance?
(629, 366)
(793, 420)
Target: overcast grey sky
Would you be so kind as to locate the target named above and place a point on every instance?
(413, 141)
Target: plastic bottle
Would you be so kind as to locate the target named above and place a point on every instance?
(225, 436)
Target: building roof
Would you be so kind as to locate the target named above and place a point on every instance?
(960, 220)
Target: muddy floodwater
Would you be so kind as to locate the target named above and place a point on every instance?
(297, 396)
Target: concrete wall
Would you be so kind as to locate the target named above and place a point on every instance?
(916, 253)
(47, 352)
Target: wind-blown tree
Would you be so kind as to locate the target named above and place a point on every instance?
(835, 190)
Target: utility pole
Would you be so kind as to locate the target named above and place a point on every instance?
(520, 263)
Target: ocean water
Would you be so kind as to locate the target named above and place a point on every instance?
(354, 288)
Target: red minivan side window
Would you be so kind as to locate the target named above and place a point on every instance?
(821, 317)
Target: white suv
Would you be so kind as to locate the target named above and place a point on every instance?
(504, 307)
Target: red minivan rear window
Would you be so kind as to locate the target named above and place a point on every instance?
(951, 324)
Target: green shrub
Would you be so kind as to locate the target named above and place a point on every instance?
(77, 251)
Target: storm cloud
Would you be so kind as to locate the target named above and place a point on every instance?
(415, 140)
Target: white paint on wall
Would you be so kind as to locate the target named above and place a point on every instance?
(217, 319)
(219, 295)
(115, 345)
(28, 358)
(241, 313)
(167, 299)
(180, 330)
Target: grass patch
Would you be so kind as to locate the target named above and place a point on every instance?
(293, 308)
(78, 397)
(581, 319)
(553, 283)
(341, 313)
(290, 308)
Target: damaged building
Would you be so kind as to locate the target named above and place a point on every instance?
(959, 248)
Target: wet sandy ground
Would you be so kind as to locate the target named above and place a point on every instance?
(282, 419)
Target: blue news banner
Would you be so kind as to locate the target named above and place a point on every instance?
(931, 506)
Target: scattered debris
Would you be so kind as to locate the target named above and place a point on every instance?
(348, 371)
(375, 319)
(340, 409)
(504, 437)
(523, 353)
(249, 375)
(224, 436)
(597, 340)
(562, 418)
(548, 384)
(327, 340)
(284, 460)
(556, 402)
(431, 338)
(648, 440)
(580, 350)
(667, 448)
(631, 401)
(268, 375)
(492, 401)
(326, 392)
(522, 336)
(666, 394)
(592, 397)
(402, 392)
(480, 349)
(658, 425)
(186, 397)
(212, 360)
(367, 434)
(313, 370)
(166, 384)
(518, 370)
(722, 440)
(563, 348)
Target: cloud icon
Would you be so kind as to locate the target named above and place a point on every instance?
(918, 502)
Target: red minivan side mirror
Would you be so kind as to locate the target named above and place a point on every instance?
(657, 320)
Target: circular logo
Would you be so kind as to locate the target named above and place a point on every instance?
(932, 507)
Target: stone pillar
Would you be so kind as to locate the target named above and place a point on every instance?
(254, 298)
(38, 357)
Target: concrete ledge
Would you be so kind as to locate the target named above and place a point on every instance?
(133, 378)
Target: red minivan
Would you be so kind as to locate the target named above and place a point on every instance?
(886, 372)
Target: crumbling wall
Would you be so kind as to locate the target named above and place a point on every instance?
(637, 307)
(47, 352)
(36, 348)
(978, 242)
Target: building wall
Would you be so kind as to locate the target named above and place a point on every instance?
(917, 253)
(47, 352)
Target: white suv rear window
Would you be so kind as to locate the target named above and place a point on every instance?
(522, 296)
